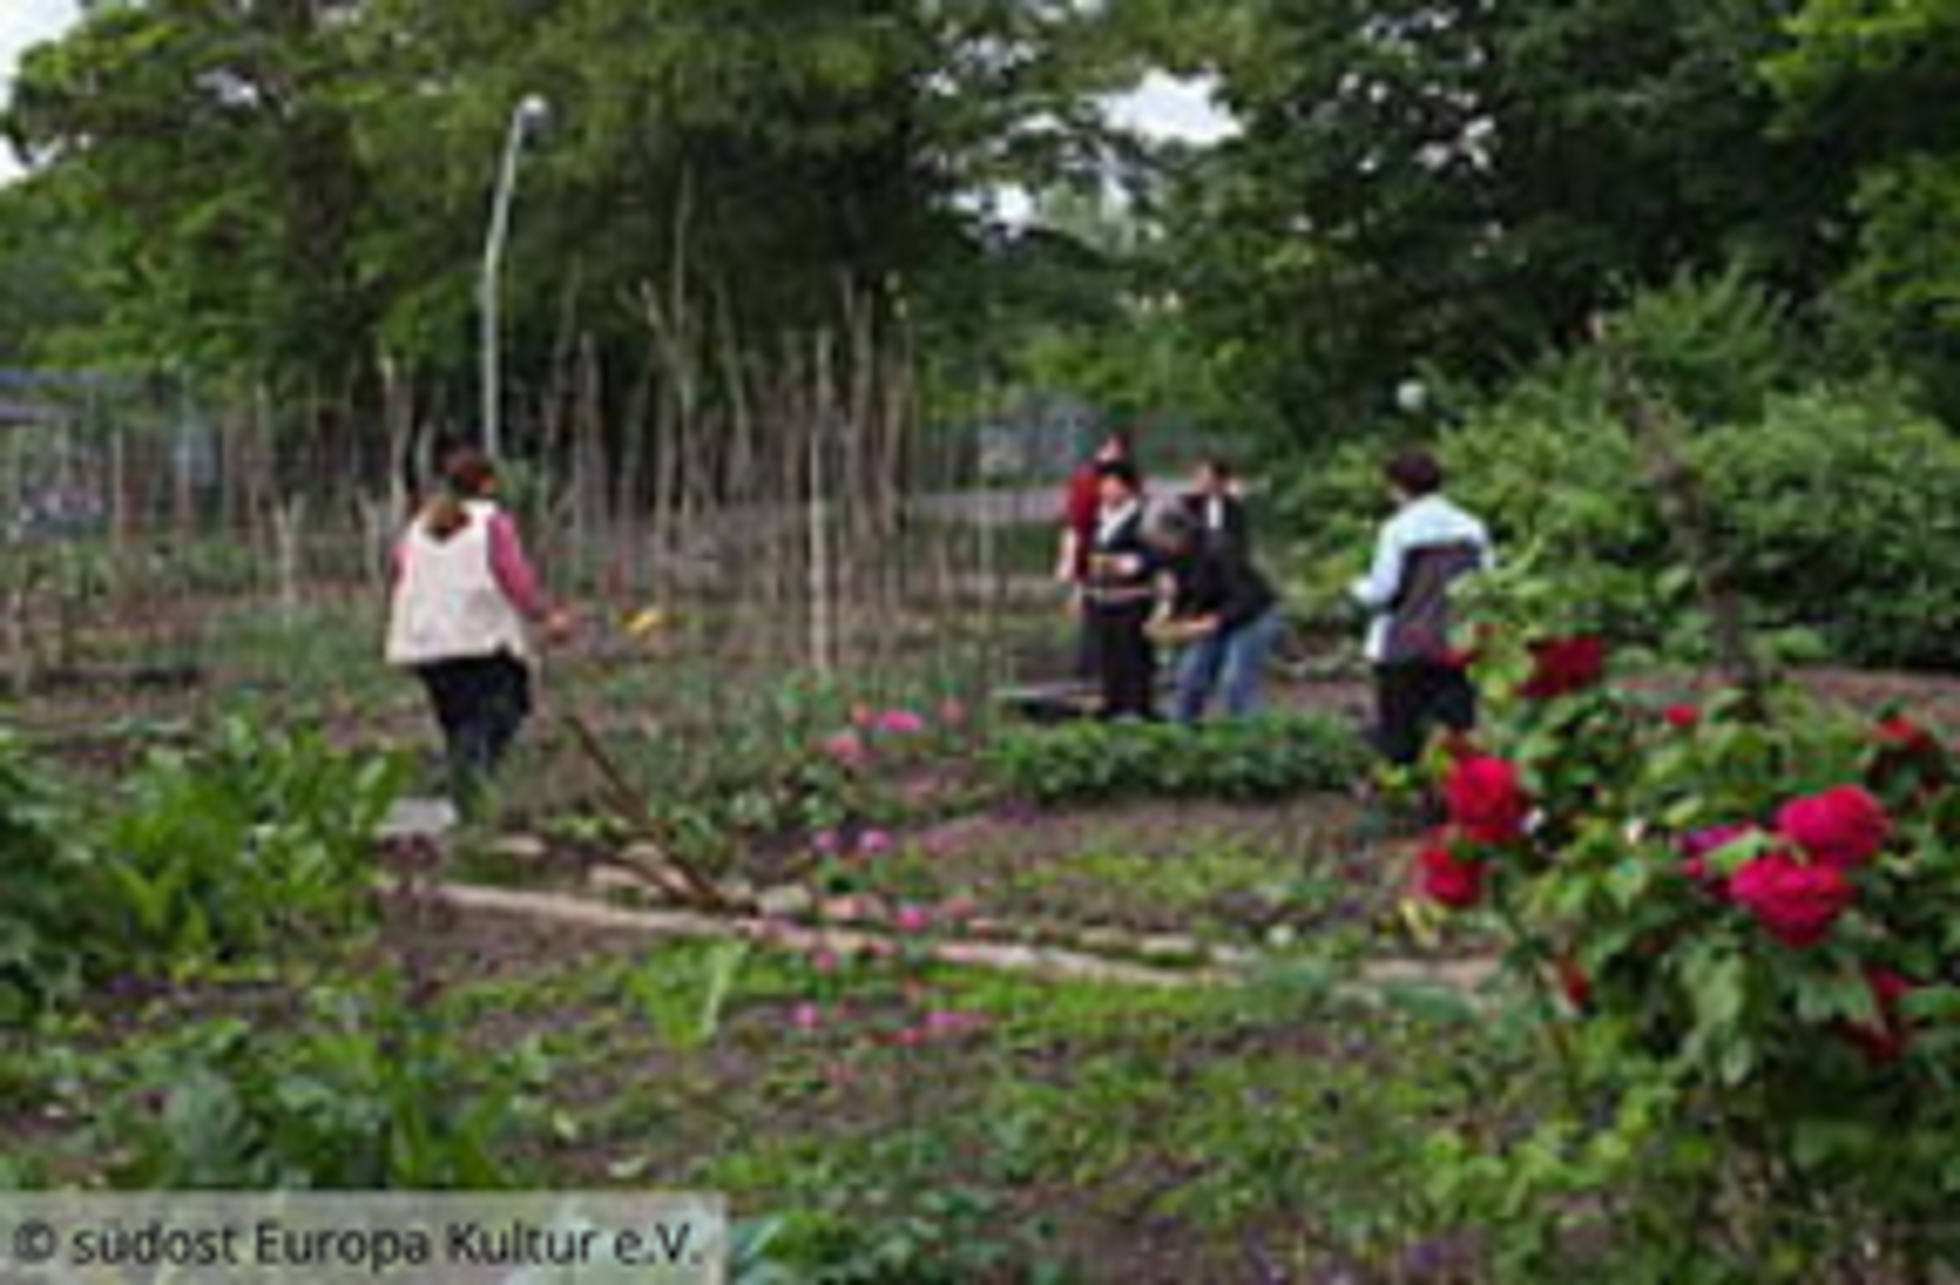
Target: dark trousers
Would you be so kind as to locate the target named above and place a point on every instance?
(1125, 659)
(481, 704)
(1412, 698)
(1088, 658)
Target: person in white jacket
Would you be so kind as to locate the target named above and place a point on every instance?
(464, 605)
(1429, 545)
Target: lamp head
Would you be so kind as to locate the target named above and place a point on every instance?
(533, 113)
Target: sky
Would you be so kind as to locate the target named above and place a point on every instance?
(24, 23)
(1162, 107)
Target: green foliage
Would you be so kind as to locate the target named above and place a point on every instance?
(251, 843)
(764, 760)
(1741, 1103)
(1839, 513)
(371, 1095)
(1851, 86)
(283, 195)
(1248, 759)
(47, 921)
(1457, 186)
(1831, 501)
(684, 994)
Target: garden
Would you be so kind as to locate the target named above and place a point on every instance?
(811, 881)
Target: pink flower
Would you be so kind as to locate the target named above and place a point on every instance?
(900, 722)
(863, 717)
(828, 843)
(954, 713)
(876, 843)
(1845, 827)
(806, 1018)
(909, 1038)
(848, 750)
(913, 920)
(825, 962)
(944, 1022)
(957, 910)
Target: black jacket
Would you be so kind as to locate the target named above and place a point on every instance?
(1218, 579)
(1235, 526)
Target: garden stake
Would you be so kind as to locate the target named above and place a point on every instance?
(1684, 505)
(696, 888)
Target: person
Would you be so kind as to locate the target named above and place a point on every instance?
(1223, 611)
(1216, 503)
(464, 602)
(1080, 508)
(1423, 551)
(1120, 596)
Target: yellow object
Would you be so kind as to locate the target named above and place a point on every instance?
(1423, 920)
(650, 621)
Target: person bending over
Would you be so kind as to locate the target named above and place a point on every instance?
(1216, 502)
(1222, 611)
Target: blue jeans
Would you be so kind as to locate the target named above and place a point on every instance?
(1235, 661)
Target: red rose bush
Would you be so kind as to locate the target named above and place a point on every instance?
(1747, 921)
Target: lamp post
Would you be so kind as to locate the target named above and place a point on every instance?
(530, 115)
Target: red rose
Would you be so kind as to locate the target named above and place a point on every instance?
(1573, 981)
(1449, 880)
(1699, 848)
(1889, 1037)
(1487, 802)
(1565, 667)
(1795, 903)
(1908, 754)
(1844, 828)
(1901, 733)
(1682, 718)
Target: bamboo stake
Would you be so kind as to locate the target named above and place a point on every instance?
(1690, 521)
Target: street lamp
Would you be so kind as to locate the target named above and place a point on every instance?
(526, 119)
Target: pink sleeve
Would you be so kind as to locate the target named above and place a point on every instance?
(513, 569)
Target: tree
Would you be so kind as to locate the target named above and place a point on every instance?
(1460, 183)
(1858, 81)
(290, 191)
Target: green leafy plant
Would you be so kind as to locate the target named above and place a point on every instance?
(48, 921)
(372, 1093)
(1248, 759)
(256, 839)
(684, 994)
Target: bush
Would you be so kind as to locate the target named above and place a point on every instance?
(1842, 515)
(1250, 759)
(1737, 925)
(1836, 504)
